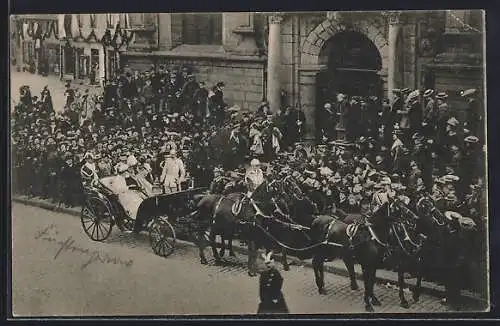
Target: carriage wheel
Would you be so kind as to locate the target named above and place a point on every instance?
(96, 219)
(162, 237)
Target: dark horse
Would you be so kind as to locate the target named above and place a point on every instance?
(219, 215)
(363, 242)
(405, 247)
(447, 249)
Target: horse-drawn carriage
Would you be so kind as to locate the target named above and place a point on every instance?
(157, 214)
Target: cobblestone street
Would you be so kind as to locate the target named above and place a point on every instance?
(45, 282)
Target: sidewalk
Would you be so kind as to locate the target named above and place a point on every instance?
(384, 277)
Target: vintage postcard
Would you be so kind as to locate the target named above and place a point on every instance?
(244, 163)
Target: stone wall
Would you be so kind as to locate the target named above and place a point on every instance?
(244, 80)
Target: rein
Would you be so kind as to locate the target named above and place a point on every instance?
(406, 238)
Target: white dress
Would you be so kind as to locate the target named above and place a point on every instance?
(129, 199)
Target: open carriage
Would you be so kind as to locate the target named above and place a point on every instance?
(157, 214)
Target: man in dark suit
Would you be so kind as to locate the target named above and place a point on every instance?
(200, 99)
(217, 104)
(474, 120)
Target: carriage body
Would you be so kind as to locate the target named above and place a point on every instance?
(156, 214)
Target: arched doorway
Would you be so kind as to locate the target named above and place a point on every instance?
(353, 63)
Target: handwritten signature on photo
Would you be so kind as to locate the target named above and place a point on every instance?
(49, 234)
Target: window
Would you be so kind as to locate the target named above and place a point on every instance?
(202, 29)
(140, 20)
(92, 21)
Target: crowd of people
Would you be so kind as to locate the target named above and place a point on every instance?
(145, 120)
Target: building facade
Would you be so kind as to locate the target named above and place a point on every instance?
(302, 58)
(305, 59)
(35, 44)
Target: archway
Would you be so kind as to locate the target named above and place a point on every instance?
(353, 64)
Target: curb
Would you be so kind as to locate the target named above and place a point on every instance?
(335, 267)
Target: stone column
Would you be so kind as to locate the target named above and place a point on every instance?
(392, 66)
(274, 62)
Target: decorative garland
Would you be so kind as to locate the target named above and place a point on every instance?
(466, 26)
(52, 30)
(92, 37)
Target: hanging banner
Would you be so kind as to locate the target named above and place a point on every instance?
(25, 30)
(60, 24)
(75, 29)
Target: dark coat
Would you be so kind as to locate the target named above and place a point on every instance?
(271, 297)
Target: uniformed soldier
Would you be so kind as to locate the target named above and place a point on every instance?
(270, 284)
(88, 171)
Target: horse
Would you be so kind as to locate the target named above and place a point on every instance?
(406, 243)
(220, 214)
(362, 242)
(448, 245)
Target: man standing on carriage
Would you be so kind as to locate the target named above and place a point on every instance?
(173, 173)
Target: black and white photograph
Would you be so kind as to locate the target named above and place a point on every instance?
(248, 163)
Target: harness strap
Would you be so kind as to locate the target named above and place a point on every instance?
(374, 236)
(216, 208)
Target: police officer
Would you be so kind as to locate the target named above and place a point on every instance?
(270, 284)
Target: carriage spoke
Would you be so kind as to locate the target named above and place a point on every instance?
(97, 229)
(102, 227)
(93, 231)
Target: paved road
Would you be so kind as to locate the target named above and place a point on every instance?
(37, 82)
(50, 281)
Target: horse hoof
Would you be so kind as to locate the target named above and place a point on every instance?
(322, 291)
(252, 274)
(416, 297)
(369, 308)
(286, 268)
(218, 262)
(405, 304)
(376, 302)
(204, 262)
(221, 253)
(354, 287)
